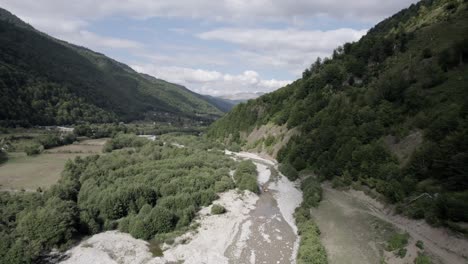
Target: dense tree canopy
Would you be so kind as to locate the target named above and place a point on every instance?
(141, 187)
(407, 76)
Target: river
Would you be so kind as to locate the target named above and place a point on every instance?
(272, 238)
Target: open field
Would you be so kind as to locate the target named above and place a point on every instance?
(349, 233)
(90, 146)
(355, 228)
(32, 172)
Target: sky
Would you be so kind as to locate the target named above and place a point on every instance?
(215, 47)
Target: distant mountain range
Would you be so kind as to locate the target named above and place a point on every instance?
(46, 81)
(241, 97)
(227, 102)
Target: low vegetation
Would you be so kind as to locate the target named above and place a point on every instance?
(311, 250)
(397, 241)
(218, 209)
(35, 141)
(246, 176)
(289, 171)
(124, 140)
(145, 188)
(139, 128)
(3, 156)
(422, 259)
(420, 244)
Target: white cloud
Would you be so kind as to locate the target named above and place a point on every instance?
(74, 31)
(213, 82)
(274, 39)
(227, 10)
(291, 49)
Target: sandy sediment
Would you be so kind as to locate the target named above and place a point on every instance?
(216, 232)
(289, 197)
(207, 245)
(110, 247)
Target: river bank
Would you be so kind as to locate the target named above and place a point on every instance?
(355, 228)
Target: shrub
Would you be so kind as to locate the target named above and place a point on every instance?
(124, 141)
(426, 53)
(289, 171)
(160, 220)
(138, 229)
(312, 192)
(246, 176)
(224, 184)
(270, 140)
(124, 224)
(397, 241)
(310, 248)
(217, 209)
(401, 252)
(422, 259)
(3, 156)
(33, 149)
(420, 244)
(49, 140)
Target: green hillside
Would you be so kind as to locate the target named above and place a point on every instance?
(45, 81)
(389, 112)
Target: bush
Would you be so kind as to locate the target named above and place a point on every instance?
(420, 244)
(49, 140)
(3, 156)
(33, 149)
(397, 241)
(217, 209)
(124, 141)
(312, 192)
(138, 229)
(289, 171)
(426, 53)
(160, 220)
(422, 259)
(270, 140)
(401, 252)
(310, 248)
(246, 176)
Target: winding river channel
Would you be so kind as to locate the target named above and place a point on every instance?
(272, 233)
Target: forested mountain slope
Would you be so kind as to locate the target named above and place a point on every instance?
(47, 81)
(389, 111)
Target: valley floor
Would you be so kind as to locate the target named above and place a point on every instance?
(261, 229)
(255, 229)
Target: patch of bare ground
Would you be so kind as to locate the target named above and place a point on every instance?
(279, 136)
(355, 228)
(403, 149)
(93, 146)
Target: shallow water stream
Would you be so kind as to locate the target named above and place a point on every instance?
(265, 236)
